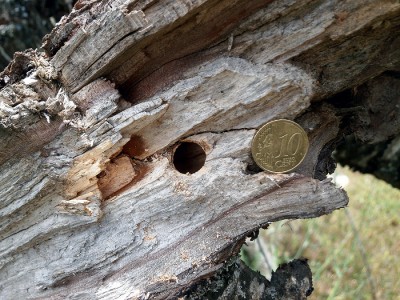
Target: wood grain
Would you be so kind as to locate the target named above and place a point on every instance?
(123, 83)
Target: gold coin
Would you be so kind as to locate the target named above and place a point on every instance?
(279, 146)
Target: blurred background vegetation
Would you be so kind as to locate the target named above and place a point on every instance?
(353, 252)
(23, 24)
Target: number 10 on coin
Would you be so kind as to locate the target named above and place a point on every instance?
(279, 146)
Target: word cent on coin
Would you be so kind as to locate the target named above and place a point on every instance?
(279, 146)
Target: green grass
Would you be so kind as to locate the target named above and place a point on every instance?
(353, 254)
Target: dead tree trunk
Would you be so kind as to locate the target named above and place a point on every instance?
(93, 205)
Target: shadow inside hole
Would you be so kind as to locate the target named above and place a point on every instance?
(252, 168)
(189, 157)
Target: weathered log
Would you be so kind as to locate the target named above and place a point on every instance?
(374, 144)
(95, 131)
(236, 280)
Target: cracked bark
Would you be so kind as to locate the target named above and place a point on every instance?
(92, 205)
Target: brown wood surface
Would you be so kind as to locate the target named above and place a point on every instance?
(91, 204)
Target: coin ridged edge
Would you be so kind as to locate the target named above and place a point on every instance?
(269, 123)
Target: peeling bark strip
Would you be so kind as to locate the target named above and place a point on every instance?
(97, 200)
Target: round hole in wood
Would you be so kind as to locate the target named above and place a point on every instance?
(189, 157)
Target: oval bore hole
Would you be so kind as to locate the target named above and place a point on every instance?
(189, 157)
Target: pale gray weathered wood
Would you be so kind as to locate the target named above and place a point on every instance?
(122, 84)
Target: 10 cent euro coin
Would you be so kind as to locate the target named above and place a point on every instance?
(279, 146)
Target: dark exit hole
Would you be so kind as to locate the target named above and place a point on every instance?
(189, 157)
